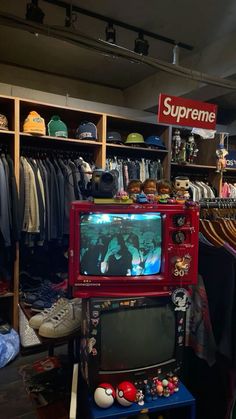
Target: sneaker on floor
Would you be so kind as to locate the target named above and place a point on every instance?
(36, 321)
(65, 322)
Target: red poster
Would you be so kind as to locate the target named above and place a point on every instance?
(175, 110)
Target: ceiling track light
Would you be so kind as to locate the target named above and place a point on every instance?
(33, 12)
(141, 45)
(110, 33)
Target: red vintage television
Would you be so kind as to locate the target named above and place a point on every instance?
(131, 249)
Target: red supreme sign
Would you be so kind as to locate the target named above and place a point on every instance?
(175, 110)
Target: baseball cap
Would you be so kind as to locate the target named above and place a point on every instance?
(3, 122)
(155, 141)
(134, 138)
(57, 128)
(114, 137)
(34, 124)
(86, 130)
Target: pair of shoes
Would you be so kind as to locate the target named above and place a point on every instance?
(43, 298)
(63, 319)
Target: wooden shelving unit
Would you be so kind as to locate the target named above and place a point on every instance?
(16, 110)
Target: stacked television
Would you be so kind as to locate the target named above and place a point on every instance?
(131, 265)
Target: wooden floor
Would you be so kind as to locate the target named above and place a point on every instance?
(14, 401)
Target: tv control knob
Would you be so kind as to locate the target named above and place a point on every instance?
(178, 237)
(179, 220)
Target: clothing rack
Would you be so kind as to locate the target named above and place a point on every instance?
(218, 203)
(33, 151)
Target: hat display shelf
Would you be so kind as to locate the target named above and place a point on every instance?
(81, 125)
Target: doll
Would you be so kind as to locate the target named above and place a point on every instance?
(176, 141)
(163, 190)
(221, 153)
(181, 187)
(150, 189)
(134, 188)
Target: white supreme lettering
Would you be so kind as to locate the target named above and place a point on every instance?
(183, 112)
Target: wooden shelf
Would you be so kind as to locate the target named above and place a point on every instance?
(66, 140)
(134, 148)
(194, 166)
(4, 131)
(7, 295)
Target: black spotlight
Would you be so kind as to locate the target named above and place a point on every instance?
(141, 45)
(110, 33)
(33, 12)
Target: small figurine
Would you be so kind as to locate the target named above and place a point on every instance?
(221, 153)
(122, 196)
(182, 153)
(140, 397)
(181, 187)
(163, 191)
(150, 186)
(176, 141)
(134, 187)
(191, 149)
(141, 198)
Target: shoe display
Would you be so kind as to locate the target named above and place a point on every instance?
(64, 322)
(36, 321)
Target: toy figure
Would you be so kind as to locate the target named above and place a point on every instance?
(134, 187)
(176, 141)
(163, 191)
(221, 153)
(122, 196)
(191, 149)
(150, 186)
(181, 187)
(181, 159)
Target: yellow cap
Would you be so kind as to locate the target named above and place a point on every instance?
(34, 124)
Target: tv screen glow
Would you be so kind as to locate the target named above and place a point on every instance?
(120, 244)
(135, 339)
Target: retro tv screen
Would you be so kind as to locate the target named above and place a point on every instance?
(120, 244)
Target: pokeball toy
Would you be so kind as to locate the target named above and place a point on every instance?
(104, 395)
(126, 393)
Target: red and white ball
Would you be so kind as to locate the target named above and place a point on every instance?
(104, 395)
(126, 393)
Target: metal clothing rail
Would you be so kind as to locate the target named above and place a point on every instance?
(218, 203)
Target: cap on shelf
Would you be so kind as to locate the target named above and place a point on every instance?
(57, 128)
(86, 130)
(34, 124)
(114, 137)
(134, 138)
(155, 141)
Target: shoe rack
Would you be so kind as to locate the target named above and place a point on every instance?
(16, 110)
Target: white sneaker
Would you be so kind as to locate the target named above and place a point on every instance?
(36, 321)
(65, 322)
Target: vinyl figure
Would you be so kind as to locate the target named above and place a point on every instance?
(181, 187)
(221, 153)
(191, 149)
(176, 142)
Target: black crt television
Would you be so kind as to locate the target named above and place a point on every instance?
(134, 339)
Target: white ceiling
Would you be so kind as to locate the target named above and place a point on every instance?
(196, 22)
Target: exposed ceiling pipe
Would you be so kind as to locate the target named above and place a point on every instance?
(100, 46)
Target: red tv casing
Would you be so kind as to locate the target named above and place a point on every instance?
(179, 260)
